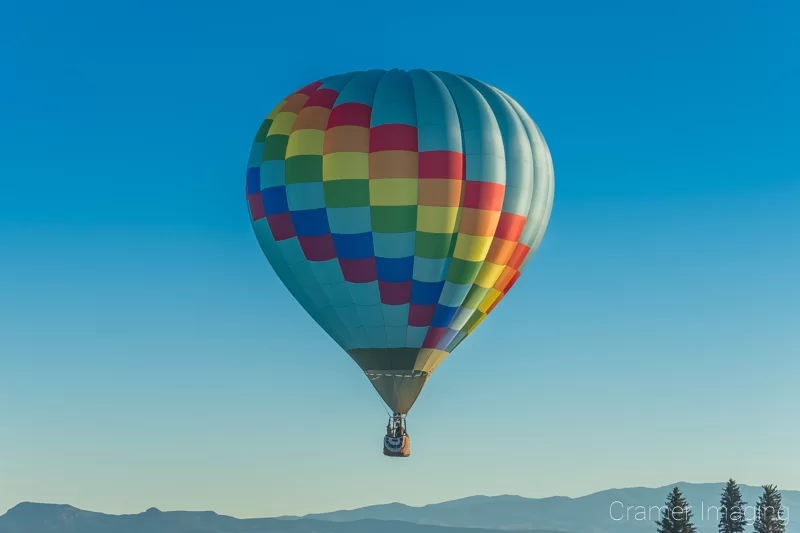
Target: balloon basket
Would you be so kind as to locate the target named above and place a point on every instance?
(397, 446)
(397, 442)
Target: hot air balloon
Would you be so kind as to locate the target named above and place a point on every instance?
(399, 208)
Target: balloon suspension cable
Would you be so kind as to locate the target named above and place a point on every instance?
(383, 403)
(397, 425)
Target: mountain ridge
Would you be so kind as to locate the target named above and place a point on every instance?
(591, 513)
(29, 517)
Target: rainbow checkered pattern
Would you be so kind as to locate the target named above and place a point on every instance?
(399, 208)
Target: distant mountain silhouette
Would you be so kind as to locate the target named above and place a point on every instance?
(477, 514)
(587, 514)
(48, 518)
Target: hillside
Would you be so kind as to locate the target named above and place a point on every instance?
(594, 513)
(587, 514)
(47, 518)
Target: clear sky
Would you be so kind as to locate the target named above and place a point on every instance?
(150, 357)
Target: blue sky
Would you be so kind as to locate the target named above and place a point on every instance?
(149, 356)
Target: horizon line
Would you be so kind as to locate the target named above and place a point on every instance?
(312, 515)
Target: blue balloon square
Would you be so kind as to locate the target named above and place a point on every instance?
(274, 199)
(394, 270)
(310, 223)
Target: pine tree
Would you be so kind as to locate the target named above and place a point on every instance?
(676, 517)
(732, 509)
(769, 512)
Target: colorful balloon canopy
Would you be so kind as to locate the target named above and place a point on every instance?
(399, 208)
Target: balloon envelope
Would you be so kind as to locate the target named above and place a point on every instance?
(399, 208)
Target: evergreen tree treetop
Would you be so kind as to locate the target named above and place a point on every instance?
(676, 516)
(732, 517)
(770, 512)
